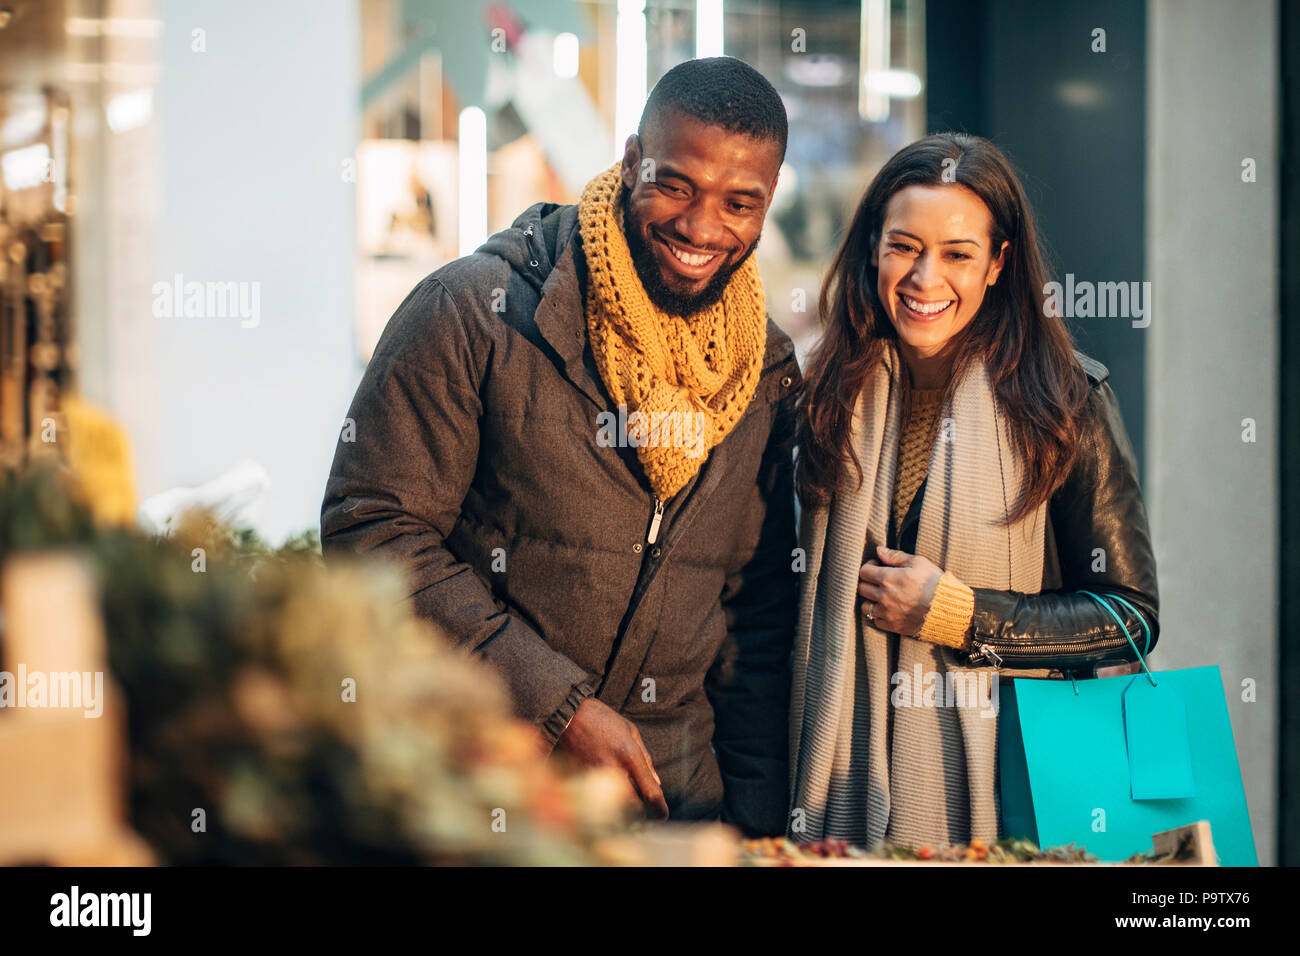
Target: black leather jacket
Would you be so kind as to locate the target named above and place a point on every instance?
(1097, 540)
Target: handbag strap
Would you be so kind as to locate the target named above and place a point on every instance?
(1141, 656)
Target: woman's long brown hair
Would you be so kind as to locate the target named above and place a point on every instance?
(1037, 381)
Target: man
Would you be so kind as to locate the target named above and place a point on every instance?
(578, 440)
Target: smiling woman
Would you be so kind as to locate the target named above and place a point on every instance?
(939, 225)
(935, 264)
(952, 438)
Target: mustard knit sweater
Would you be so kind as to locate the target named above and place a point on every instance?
(949, 618)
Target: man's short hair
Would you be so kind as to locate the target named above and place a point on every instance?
(721, 91)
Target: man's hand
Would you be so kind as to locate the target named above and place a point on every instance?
(598, 736)
(900, 588)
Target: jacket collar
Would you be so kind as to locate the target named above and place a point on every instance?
(560, 316)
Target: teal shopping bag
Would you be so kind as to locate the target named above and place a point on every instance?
(1106, 763)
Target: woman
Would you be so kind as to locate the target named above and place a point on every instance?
(964, 475)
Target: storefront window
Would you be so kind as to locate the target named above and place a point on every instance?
(507, 99)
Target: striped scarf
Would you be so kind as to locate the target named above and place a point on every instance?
(872, 756)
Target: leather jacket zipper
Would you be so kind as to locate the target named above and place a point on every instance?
(1040, 650)
(655, 520)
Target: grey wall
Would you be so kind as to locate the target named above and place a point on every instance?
(254, 132)
(1288, 256)
(1211, 360)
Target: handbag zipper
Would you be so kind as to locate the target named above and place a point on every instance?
(655, 521)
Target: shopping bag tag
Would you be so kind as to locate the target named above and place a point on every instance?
(1159, 753)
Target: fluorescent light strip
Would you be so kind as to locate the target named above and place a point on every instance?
(128, 111)
(472, 147)
(630, 79)
(873, 105)
(565, 60)
(135, 28)
(708, 28)
(26, 167)
(899, 84)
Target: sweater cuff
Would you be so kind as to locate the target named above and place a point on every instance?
(553, 727)
(949, 618)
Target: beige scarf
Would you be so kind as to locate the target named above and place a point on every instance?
(879, 748)
(690, 379)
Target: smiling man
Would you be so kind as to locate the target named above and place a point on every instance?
(638, 595)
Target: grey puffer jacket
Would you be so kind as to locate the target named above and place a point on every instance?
(476, 464)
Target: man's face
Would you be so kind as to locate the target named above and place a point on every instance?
(694, 207)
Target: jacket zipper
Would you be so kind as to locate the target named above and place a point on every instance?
(655, 520)
(1039, 650)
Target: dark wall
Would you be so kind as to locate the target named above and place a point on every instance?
(1023, 74)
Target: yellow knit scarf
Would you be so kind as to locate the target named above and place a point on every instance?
(690, 379)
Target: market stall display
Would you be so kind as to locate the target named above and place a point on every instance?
(279, 712)
(1189, 845)
(276, 711)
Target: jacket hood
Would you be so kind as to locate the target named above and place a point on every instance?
(523, 245)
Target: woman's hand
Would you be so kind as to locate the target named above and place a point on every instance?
(898, 589)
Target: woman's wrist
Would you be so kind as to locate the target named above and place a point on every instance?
(948, 621)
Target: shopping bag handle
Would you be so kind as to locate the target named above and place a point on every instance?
(1141, 656)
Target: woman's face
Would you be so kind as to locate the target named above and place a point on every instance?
(935, 263)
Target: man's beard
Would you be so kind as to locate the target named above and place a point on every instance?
(662, 296)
